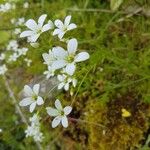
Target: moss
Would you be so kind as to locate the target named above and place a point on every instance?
(118, 133)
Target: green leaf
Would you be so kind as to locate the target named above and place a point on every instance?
(115, 4)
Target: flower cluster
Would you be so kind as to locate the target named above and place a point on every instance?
(12, 54)
(16, 51)
(34, 129)
(7, 7)
(3, 69)
(13, 50)
(61, 62)
(18, 23)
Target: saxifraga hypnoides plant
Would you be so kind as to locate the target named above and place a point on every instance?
(60, 62)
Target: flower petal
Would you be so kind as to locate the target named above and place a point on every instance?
(40, 100)
(59, 24)
(67, 20)
(58, 64)
(46, 27)
(60, 86)
(61, 34)
(31, 24)
(34, 37)
(58, 105)
(57, 31)
(72, 46)
(51, 24)
(67, 110)
(26, 33)
(59, 52)
(71, 26)
(81, 57)
(52, 112)
(64, 121)
(70, 69)
(74, 82)
(47, 58)
(36, 88)
(61, 77)
(32, 107)
(66, 87)
(26, 102)
(28, 91)
(56, 121)
(42, 19)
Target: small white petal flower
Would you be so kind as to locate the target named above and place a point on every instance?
(13, 20)
(36, 29)
(48, 58)
(28, 61)
(6, 7)
(65, 81)
(62, 28)
(3, 69)
(60, 58)
(2, 56)
(20, 21)
(12, 45)
(22, 51)
(34, 129)
(32, 97)
(17, 31)
(13, 57)
(26, 5)
(50, 72)
(60, 114)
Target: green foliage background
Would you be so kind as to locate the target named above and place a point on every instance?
(122, 49)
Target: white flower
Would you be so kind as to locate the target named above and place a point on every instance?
(13, 20)
(28, 61)
(26, 5)
(13, 57)
(35, 120)
(68, 58)
(17, 31)
(60, 114)
(62, 28)
(6, 7)
(36, 29)
(22, 51)
(2, 56)
(20, 21)
(49, 58)
(1, 130)
(3, 69)
(12, 45)
(34, 129)
(50, 72)
(32, 97)
(65, 81)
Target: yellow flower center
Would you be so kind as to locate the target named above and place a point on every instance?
(70, 58)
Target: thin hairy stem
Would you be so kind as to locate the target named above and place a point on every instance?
(80, 86)
(84, 121)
